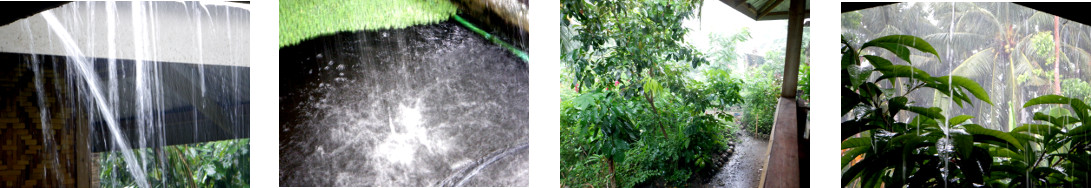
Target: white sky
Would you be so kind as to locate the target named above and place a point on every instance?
(716, 17)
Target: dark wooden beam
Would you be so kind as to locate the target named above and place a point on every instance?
(742, 7)
(769, 6)
(782, 15)
(854, 6)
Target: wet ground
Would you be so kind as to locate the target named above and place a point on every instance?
(422, 106)
(743, 170)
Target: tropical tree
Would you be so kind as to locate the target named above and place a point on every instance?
(722, 50)
(634, 109)
(980, 41)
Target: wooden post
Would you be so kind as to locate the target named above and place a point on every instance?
(795, 39)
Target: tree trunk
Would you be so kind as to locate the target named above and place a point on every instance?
(1013, 99)
(1056, 56)
(613, 176)
(651, 101)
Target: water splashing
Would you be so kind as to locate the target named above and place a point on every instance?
(950, 89)
(83, 68)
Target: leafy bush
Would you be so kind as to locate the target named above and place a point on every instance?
(805, 81)
(211, 164)
(1076, 88)
(599, 128)
(760, 101)
(633, 116)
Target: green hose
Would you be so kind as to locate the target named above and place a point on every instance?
(516, 51)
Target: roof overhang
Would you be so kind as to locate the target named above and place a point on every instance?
(762, 10)
(1067, 10)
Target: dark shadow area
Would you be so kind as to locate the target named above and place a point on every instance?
(188, 114)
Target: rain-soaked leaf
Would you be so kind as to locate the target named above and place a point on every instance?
(969, 85)
(985, 133)
(895, 43)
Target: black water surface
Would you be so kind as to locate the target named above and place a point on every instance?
(404, 107)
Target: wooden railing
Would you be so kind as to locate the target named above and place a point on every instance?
(787, 163)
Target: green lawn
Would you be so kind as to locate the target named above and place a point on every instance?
(303, 19)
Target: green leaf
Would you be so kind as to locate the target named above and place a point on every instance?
(1005, 152)
(848, 55)
(933, 112)
(896, 104)
(1056, 120)
(974, 168)
(899, 50)
(1079, 107)
(970, 85)
(877, 61)
(1036, 128)
(903, 71)
(852, 153)
(856, 142)
(1079, 131)
(857, 171)
(852, 127)
(959, 119)
(964, 144)
(1047, 99)
(584, 100)
(906, 40)
(978, 131)
(869, 90)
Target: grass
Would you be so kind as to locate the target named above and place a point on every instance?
(304, 19)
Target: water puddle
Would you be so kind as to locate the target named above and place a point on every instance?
(421, 106)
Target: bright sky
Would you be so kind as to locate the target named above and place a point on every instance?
(716, 17)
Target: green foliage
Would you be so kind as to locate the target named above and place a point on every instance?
(210, 164)
(630, 40)
(930, 150)
(1076, 88)
(300, 19)
(633, 115)
(605, 120)
(893, 153)
(805, 81)
(599, 127)
(1043, 46)
(760, 100)
(723, 47)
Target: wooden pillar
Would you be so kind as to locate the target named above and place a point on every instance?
(795, 39)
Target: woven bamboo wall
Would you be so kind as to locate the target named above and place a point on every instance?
(26, 158)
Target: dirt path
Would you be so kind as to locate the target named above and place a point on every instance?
(743, 170)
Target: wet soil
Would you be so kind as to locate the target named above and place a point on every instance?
(743, 169)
